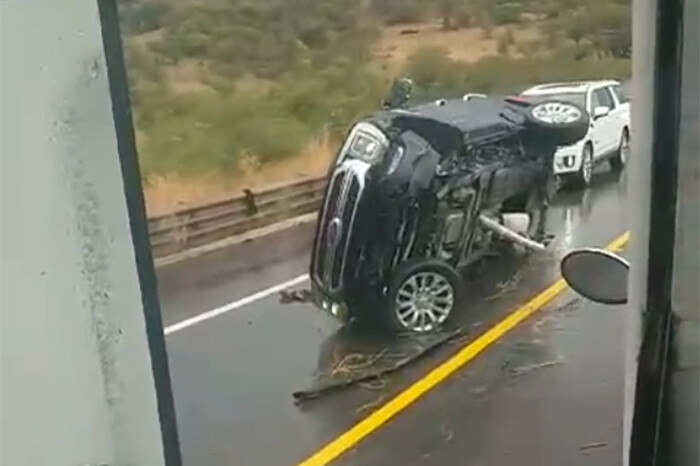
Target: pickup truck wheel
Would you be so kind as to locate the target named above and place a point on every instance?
(619, 160)
(422, 296)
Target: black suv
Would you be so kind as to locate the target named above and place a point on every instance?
(417, 194)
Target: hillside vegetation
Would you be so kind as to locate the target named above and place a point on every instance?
(241, 89)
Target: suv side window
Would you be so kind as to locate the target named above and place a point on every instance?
(622, 96)
(603, 97)
(609, 91)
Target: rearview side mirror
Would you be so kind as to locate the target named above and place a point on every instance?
(596, 274)
(600, 112)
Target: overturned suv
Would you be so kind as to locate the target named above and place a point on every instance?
(417, 194)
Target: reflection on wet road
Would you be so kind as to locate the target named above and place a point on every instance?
(549, 395)
(234, 375)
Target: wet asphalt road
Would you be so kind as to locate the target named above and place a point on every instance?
(233, 376)
(549, 394)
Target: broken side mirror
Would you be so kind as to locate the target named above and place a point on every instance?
(399, 94)
(596, 274)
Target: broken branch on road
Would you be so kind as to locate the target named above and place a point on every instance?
(369, 369)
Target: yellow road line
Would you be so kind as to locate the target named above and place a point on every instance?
(382, 415)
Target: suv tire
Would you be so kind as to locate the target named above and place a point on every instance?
(419, 285)
(619, 160)
(582, 178)
(562, 123)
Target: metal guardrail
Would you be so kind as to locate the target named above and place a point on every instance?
(200, 225)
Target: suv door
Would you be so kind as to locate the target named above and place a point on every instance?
(595, 131)
(604, 129)
(621, 114)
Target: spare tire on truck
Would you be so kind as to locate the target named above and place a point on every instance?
(559, 122)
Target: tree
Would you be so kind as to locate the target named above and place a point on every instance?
(398, 11)
(575, 27)
(448, 9)
(464, 17)
(612, 23)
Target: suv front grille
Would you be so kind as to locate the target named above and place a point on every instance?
(337, 221)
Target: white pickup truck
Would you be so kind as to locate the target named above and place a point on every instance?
(608, 137)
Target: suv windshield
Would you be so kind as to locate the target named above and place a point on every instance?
(578, 98)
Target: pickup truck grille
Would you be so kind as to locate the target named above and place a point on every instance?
(340, 208)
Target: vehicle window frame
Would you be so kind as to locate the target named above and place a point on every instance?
(600, 103)
(592, 99)
(622, 96)
(613, 97)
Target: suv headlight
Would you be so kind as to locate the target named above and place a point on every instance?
(365, 142)
(364, 147)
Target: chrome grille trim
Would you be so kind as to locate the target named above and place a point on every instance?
(331, 252)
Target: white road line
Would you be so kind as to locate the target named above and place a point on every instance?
(235, 304)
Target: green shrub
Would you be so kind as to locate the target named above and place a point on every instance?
(137, 17)
(464, 17)
(317, 53)
(506, 13)
(503, 74)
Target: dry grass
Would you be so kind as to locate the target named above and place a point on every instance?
(188, 76)
(191, 76)
(168, 193)
(391, 52)
(250, 84)
(466, 45)
(148, 37)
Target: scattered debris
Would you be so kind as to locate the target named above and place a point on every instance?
(346, 364)
(295, 296)
(569, 305)
(479, 390)
(447, 432)
(505, 286)
(518, 371)
(374, 384)
(593, 446)
(537, 326)
(369, 369)
(463, 340)
(372, 404)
